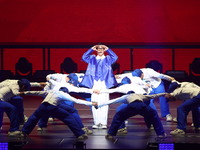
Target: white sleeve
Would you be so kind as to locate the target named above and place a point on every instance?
(71, 88)
(54, 83)
(67, 97)
(122, 99)
(35, 84)
(160, 75)
(36, 93)
(56, 76)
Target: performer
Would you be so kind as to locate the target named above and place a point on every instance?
(124, 87)
(154, 79)
(49, 107)
(135, 106)
(9, 89)
(190, 94)
(16, 100)
(99, 75)
(67, 105)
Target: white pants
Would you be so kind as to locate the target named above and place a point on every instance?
(100, 115)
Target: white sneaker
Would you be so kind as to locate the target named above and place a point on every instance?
(122, 131)
(41, 129)
(82, 137)
(169, 118)
(87, 131)
(14, 133)
(175, 120)
(101, 126)
(104, 127)
(25, 118)
(95, 126)
(177, 132)
(50, 119)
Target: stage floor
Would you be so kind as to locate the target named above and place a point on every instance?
(58, 135)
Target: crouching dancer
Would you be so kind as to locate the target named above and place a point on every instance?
(136, 105)
(48, 107)
(8, 90)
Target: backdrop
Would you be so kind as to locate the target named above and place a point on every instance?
(117, 21)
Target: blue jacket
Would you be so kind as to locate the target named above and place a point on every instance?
(102, 71)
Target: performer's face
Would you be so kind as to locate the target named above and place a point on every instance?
(67, 79)
(100, 50)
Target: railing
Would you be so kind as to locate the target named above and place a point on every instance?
(46, 46)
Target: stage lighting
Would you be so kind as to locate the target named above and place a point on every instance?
(3, 146)
(166, 146)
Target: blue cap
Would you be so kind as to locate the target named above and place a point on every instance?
(137, 73)
(73, 79)
(130, 92)
(26, 83)
(125, 80)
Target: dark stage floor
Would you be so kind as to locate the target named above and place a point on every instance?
(58, 135)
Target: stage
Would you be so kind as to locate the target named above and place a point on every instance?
(58, 135)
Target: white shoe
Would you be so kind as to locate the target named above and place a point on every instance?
(14, 133)
(122, 131)
(41, 129)
(175, 120)
(82, 137)
(25, 118)
(87, 131)
(95, 126)
(104, 127)
(50, 119)
(101, 126)
(177, 132)
(169, 118)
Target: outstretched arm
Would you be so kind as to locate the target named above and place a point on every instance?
(122, 99)
(67, 97)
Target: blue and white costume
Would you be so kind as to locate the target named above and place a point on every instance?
(11, 103)
(189, 93)
(135, 106)
(99, 75)
(49, 107)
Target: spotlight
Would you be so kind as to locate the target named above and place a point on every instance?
(3, 146)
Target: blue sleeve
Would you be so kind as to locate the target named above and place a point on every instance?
(112, 55)
(86, 55)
